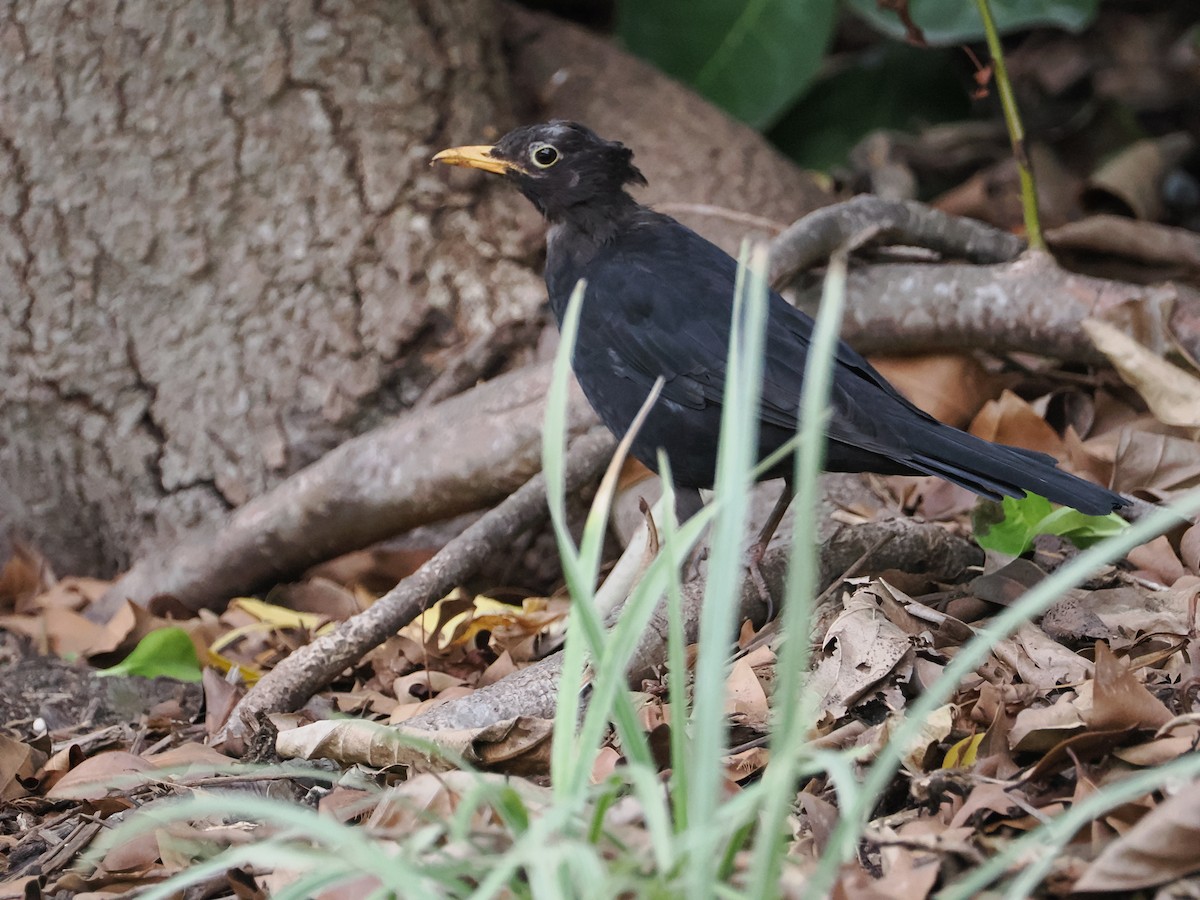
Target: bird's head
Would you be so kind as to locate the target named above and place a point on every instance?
(558, 166)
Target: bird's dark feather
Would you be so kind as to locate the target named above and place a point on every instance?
(659, 302)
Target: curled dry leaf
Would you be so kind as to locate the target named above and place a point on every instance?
(1010, 420)
(411, 804)
(1118, 615)
(24, 576)
(1157, 751)
(15, 762)
(1172, 394)
(1119, 698)
(1157, 561)
(860, 649)
(1039, 660)
(1160, 465)
(1189, 549)
(951, 387)
(1038, 728)
(745, 698)
(93, 778)
(935, 728)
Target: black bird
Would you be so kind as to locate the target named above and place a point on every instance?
(659, 300)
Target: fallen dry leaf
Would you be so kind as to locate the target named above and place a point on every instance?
(24, 576)
(1159, 465)
(1159, 848)
(1119, 698)
(1172, 394)
(951, 387)
(745, 698)
(1189, 549)
(1040, 728)
(861, 648)
(1118, 615)
(1010, 420)
(1039, 660)
(935, 728)
(1157, 751)
(96, 776)
(15, 760)
(411, 804)
(1157, 561)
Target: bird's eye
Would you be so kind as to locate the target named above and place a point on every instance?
(543, 155)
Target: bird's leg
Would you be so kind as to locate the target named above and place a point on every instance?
(688, 502)
(759, 549)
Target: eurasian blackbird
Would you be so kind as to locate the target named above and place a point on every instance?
(659, 300)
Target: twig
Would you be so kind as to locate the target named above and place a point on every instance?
(289, 685)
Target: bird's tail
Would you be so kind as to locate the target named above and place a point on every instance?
(997, 470)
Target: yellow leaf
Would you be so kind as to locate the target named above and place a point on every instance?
(963, 753)
(278, 616)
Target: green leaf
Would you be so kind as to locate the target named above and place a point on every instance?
(947, 22)
(753, 58)
(1080, 529)
(888, 85)
(1023, 520)
(166, 653)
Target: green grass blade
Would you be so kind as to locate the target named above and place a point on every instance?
(735, 461)
(676, 651)
(792, 712)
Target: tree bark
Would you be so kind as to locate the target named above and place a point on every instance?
(221, 242)
(222, 251)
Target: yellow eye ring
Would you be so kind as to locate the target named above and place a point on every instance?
(543, 155)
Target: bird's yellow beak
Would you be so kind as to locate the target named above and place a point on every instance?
(479, 157)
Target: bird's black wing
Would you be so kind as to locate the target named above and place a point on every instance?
(660, 298)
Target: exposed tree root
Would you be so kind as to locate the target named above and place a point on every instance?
(290, 684)
(533, 691)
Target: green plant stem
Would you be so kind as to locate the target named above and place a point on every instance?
(1016, 131)
(718, 624)
(794, 707)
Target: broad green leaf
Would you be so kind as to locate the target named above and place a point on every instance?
(1023, 520)
(888, 85)
(947, 22)
(751, 58)
(1080, 529)
(1014, 531)
(166, 653)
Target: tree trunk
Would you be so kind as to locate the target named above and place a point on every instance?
(222, 249)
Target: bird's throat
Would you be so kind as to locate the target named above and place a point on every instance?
(598, 220)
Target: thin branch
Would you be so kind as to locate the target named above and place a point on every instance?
(1016, 130)
(290, 684)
